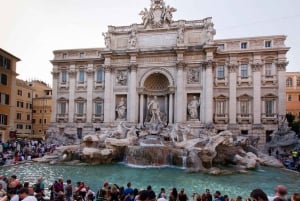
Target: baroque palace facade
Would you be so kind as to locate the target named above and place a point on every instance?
(173, 71)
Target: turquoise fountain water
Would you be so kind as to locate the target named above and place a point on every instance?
(232, 185)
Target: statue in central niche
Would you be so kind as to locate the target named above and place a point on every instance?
(155, 119)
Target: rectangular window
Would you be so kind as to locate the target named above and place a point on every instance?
(3, 119)
(40, 121)
(298, 97)
(99, 78)
(19, 126)
(80, 108)
(244, 45)
(221, 72)
(33, 121)
(28, 117)
(3, 79)
(268, 43)
(5, 62)
(4, 98)
(81, 55)
(81, 76)
(269, 108)
(220, 107)
(289, 97)
(29, 95)
(244, 108)
(19, 116)
(62, 108)
(64, 55)
(19, 92)
(98, 109)
(64, 77)
(28, 126)
(298, 82)
(268, 69)
(244, 70)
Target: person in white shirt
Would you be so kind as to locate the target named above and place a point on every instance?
(280, 192)
(24, 195)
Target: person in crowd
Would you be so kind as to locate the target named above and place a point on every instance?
(182, 195)
(68, 190)
(280, 192)
(162, 190)
(173, 195)
(24, 195)
(3, 182)
(151, 193)
(90, 195)
(295, 197)
(258, 195)
(2, 191)
(207, 196)
(218, 196)
(12, 195)
(163, 197)
(115, 194)
(128, 192)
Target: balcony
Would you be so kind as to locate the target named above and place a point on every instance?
(269, 118)
(244, 118)
(81, 85)
(64, 85)
(98, 118)
(244, 80)
(221, 81)
(99, 84)
(221, 118)
(62, 118)
(80, 117)
(269, 80)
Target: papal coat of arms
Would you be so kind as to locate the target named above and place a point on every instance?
(157, 15)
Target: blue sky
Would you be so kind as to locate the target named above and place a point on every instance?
(32, 29)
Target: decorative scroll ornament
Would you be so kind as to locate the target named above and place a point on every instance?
(157, 15)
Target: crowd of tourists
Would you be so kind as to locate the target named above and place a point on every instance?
(11, 189)
(25, 149)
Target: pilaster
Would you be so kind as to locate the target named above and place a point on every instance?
(256, 71)
(133, 110)
(72, 88)
(281, 77)
(232, 93)
(208, 92)
(89, 97)
(107, 95)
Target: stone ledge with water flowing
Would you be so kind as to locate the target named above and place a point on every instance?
(158, 144)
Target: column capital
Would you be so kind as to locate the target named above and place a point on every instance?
(180, 65)
(55, 74)
(107, 68)
(133, 67)
(232, 68)
(209, 64)
(256, 67)
(281, 66)
(72, 73)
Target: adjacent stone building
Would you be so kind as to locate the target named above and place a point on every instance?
(162, 73)
(7, 94)
(293, 94)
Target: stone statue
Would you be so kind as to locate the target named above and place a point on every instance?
(154, 110)
(132, 39)
(168, 14)
(193, 106)
(121, 109)
(180, 36)
(146, 16)
(122, 78)
(107, 40)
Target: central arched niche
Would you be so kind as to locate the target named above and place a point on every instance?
(156, 82)
(156, 86)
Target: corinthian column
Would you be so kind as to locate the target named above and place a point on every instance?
(55, 81)
(256, 68)
(89, 93)
(232, 93)
(179, 117)
(208, 90)
(281, 69)
(72, 89)
(133, 109)
(107, 95)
